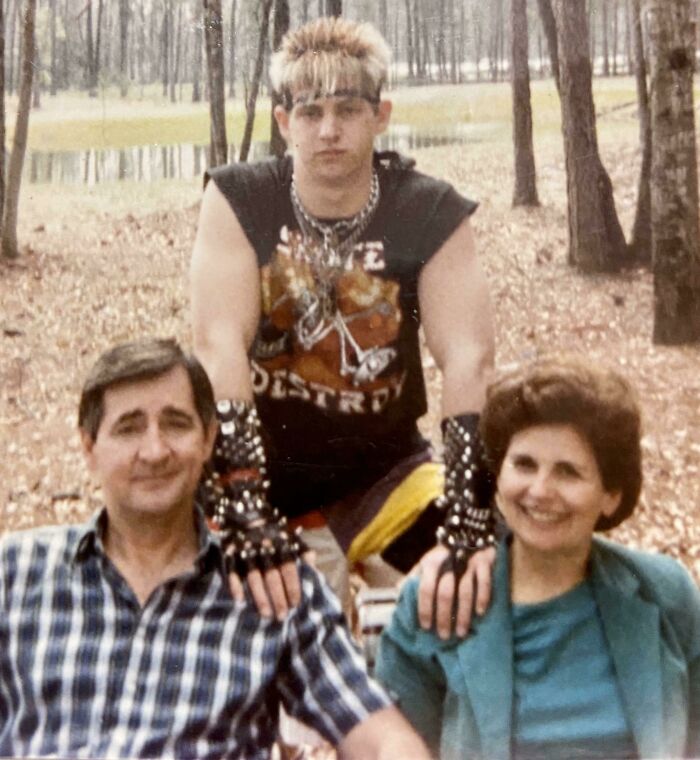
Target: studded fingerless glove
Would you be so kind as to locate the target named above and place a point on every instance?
(253, 533)
(469, 522)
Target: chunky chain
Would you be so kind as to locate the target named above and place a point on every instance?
(468, 526)
(337, 238)
(253, 534)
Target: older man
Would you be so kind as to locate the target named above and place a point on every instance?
(119, 638)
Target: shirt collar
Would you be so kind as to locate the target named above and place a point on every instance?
(209, 555)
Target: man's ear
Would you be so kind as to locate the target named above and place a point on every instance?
(384, 108)
(87, 444)
(281, 115)
(210, 436)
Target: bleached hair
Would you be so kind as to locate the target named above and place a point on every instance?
(331, 54)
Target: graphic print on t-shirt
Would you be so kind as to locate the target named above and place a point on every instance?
(328, 334)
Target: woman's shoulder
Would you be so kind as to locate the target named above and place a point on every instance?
(659, 578)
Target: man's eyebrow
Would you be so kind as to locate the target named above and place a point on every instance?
(174, 411)
(130, 416)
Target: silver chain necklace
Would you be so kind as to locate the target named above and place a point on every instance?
(337, 238)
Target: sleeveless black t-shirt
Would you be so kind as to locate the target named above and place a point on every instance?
(336, 365)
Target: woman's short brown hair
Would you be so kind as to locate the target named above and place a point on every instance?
(599, 403)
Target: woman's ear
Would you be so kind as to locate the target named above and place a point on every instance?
(611, 501)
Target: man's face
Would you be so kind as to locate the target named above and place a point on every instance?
(150, 446)
(332, 137)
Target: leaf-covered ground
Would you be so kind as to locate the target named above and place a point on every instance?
(90, 277)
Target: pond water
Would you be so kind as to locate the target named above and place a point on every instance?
(149, 163)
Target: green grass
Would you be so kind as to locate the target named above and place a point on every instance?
(122, 132)
(72, 121)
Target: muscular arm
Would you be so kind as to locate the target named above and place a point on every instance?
(456, 316)
(225, 297)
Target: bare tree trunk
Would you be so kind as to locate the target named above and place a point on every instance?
(418, 58)
(440, 54)
(596, 241)
(674, 186)
(98, 46)
(409, 40)
(606, 46)
(197, 54)
(384, 18)
(427, 62)
(165, 41)
(462, 52)
(525, 192)
(591, 26)
(550, 31)
(214, 45)
(176, 54)
(90, 78)
(640, 243)
(615, 32)
(53, 87)
(232, 52)
(10, 248)
(333, 7)
(628, 37)
(477, 23)
(124, 14)
(453, 41)
(279, 28)
(36, 89)
(2, 109)
(255, 82)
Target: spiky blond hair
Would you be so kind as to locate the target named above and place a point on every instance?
(331, 54)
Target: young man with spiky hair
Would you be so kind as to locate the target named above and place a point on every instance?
(310, 278)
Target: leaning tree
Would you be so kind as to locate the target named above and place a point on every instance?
(596, 240)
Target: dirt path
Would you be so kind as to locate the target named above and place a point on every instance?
(90, 279)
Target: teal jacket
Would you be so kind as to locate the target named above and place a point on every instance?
(459, 693)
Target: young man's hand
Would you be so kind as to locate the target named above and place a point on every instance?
(276, 591)
(438, 599)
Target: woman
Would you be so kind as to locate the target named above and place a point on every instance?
(589, 649)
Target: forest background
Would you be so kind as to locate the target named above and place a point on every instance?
(118, 137)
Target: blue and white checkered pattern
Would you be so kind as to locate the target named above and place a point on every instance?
(86, 672)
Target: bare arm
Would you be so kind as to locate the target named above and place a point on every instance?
(225, 297)
(385, 735)
(456, 316)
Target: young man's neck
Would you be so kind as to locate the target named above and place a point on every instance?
(149, 550)
(334, 199)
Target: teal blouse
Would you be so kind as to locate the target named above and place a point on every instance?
(567, 702)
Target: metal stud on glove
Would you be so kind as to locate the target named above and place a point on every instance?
(469, 522)
(253, 534)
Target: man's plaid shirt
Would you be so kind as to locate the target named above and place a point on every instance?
(86, 672)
